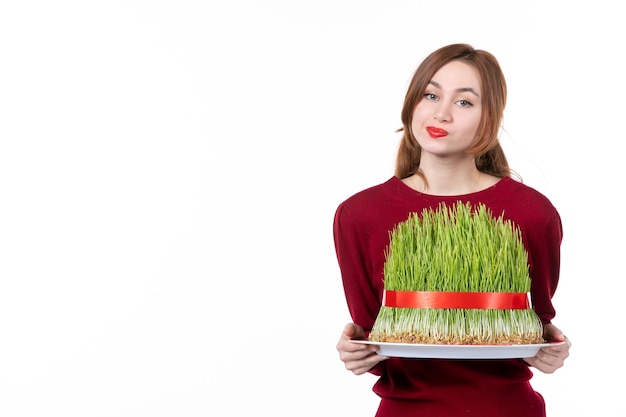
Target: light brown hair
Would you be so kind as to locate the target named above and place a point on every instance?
(486, 147)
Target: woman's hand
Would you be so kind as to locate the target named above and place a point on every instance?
(358, 358)
(551, 358)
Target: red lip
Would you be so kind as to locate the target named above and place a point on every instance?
(436, 132)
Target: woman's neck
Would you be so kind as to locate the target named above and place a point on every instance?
(450, 179)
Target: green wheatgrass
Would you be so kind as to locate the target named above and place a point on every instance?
(462, 248)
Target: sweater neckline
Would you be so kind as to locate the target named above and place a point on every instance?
(475, 193)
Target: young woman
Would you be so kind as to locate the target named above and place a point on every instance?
(449, 152)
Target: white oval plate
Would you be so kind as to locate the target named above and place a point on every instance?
(414, 350)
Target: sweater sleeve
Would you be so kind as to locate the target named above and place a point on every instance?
(351, 246)
(545, 260)
(353, 255)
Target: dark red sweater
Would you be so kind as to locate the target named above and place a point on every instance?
(437, 387)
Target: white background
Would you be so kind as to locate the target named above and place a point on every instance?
(169, 172)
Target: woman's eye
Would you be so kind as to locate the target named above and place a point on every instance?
(464, 103)
(430, 96)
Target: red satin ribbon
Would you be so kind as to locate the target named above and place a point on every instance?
(465, 300)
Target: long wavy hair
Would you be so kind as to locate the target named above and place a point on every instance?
(486, 148)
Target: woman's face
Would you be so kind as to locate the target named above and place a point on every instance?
(446, 119)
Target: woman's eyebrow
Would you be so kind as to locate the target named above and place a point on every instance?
(458, 90)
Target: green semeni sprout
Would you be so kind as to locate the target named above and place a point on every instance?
(459, 248)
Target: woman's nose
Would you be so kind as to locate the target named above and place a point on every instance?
(442, 114)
